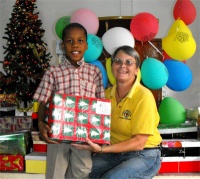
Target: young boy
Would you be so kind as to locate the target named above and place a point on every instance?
(75, 77)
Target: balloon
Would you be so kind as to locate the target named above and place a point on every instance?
(185, 10)
(171, 111)
(103, 71)
(109, 71)
(179, 26)
(95, 48)
(154, 73)
(180, 75)
(179, 45)
(87, 19)
(139, 75)
(116, 37)
(61, 24)
(165, 55)
(110, 74)
(144, 26)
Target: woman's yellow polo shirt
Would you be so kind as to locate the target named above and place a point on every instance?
(135, 114)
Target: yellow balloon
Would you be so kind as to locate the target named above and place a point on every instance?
(110, 74)
(109, 71)
(139, 75)
(179, 46)
(179, 26)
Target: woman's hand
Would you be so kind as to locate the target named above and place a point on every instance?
(91, 146)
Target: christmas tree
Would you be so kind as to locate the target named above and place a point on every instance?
(26, 57)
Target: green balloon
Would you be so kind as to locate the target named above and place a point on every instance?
(61, 24)
(171, 111)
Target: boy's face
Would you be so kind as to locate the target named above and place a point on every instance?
(75, 44)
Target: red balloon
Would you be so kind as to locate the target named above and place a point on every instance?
(144, 26)
(186, 10)
(165, 55)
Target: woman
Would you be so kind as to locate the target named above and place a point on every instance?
(134, 151)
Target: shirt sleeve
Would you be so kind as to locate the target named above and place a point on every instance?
(100, 91)
(45, 88)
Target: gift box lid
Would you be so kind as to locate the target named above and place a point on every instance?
(17, 135)
(177, 128)
(39, 142)
(180, 159)
(36, 156)
(36, 136)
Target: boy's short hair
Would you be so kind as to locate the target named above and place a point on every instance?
(71, 26)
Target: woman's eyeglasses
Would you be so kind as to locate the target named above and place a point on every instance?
(127, 62)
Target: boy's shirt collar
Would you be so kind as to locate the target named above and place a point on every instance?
(80, 62)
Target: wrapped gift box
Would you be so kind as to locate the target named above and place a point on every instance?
(180, 164)
(11, 163)
(15, 123)
(38, 144)
(73, 118)
(180, 147)
(36, 162)
(15, 142)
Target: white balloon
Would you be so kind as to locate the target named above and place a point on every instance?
(115, 37)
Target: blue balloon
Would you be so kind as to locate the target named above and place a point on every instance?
(180, 75)
(154, 73)
(103, 71)
(95, 48)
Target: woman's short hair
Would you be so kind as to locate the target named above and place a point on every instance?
(129, 51)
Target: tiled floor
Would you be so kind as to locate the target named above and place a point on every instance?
(41, 176)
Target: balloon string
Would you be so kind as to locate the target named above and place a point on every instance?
(179, 20)
(156, 49)
(120, 8)
(105, 55)
(145, 55)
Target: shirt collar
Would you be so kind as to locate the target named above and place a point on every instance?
(81, 62)
(131, 92)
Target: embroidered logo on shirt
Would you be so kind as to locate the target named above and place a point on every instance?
(126, 114)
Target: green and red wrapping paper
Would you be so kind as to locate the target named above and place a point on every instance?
(11, 163)
(15, 142)
(73, 118)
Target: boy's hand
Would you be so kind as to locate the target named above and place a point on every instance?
(44, 130)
